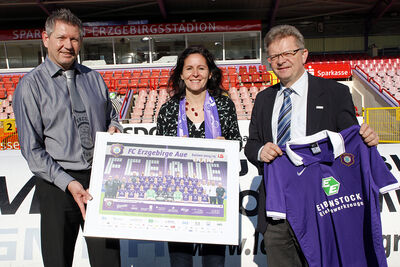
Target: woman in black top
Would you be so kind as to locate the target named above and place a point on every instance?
(197, 108)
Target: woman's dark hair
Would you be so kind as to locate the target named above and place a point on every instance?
(177, 85)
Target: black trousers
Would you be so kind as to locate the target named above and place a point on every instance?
(281, 245)
(60, 222)
(181, 254)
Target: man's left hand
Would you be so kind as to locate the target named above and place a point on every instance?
(80, 195)
(113, 129)
(367, 133)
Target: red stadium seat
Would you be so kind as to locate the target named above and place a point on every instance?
(109, 83)
(143, 84)
(232, 70)
(145, 75)
(262, 68)
(266, 77)
(3, 93)
(136, 74)
(163, 83)
(165, 72)
(252, 69)
(126, 74)
(15, 79)
(242, 70)
(245, 78)
(108, 75)
(133, 84)
(155, 73)
(117, 74)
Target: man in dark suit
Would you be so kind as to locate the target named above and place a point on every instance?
(316, 104)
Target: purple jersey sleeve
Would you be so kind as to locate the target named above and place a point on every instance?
(380, 174)
(274, 189)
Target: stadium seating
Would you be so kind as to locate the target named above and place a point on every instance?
(150, 88)
(242, 83)
(384, 71)
(6, 109)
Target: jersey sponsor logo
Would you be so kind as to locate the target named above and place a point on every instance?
(338, 204)
(301, 172)
(330, 186)
(347, 159)
(117, 149)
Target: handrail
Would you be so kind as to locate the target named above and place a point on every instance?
(375, 83)
(123, 110)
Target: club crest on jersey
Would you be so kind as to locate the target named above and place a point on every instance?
(330, 186)
(117, 149)
(347, 159)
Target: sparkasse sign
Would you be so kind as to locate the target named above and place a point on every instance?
(330, 70)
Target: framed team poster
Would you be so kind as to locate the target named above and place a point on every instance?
(164, 188)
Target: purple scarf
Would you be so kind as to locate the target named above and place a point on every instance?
(211, 119)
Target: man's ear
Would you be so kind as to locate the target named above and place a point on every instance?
(45, 38)
(304, 55)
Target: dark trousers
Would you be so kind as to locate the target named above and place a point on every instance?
(60, 222)
(213, 200)
(181, 254)
(281, 245)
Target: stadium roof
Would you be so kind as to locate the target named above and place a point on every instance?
(375, 15)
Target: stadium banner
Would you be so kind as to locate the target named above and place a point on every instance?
(143, 29)
(20, 219)
(330, 70)
(164, 188)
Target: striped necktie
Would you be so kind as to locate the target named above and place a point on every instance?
(284, 118)
(80, 117)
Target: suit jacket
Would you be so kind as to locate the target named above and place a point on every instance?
(329, 107)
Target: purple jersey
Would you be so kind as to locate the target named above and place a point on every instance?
(141, 194)
(190, 188)
(131, 193)
(199, 189)
(186, 179)
(185, 196)
(204, 198)
(328, 189)
(121, 193)
(146, 185)
(195, 197)
(136, 186)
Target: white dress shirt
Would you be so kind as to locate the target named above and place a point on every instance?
(299, 109)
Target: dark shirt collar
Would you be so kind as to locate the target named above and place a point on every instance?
(56, 70)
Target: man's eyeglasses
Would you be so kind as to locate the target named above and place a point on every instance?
(286, 54)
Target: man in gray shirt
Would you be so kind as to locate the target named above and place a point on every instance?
(57, 117)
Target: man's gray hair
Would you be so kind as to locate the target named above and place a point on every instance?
(282, 31)
(64, 15)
